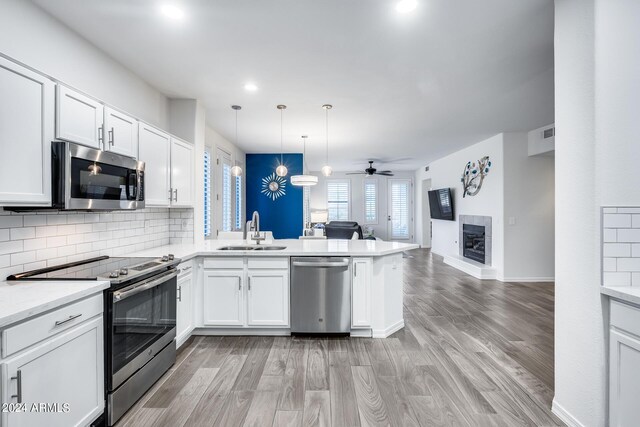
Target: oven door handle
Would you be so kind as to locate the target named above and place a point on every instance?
(136, 289)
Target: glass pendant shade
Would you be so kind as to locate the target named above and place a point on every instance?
(236, 171)
(282, 170)
(327, 170)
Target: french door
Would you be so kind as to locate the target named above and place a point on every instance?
(400, 209)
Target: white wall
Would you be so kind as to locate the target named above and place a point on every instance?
(446, 173)
(318, 198)
(529, 233)
(597, 104)
(31, 36)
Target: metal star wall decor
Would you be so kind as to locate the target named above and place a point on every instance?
(274, 186)
(473, 175)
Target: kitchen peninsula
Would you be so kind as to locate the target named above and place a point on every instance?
(213, 298)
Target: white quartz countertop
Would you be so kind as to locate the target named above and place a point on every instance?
(23, 299)
(625, 293)
(294, 247)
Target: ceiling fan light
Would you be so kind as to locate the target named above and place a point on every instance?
(282, 170)
(327, 170)
(304, 180)
(236, 170)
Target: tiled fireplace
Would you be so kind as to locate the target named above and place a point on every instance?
(475, 240)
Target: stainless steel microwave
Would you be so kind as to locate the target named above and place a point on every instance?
(84, 178)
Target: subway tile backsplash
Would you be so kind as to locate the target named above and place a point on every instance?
(35, 240)
(621, 246)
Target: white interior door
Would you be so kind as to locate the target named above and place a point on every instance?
(400, 212)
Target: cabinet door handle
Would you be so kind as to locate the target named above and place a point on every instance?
(68, 319)
(18, 378)
(239, 283)
(249, 282)
(355, 270)
(170, 194)
(111, 137)
(175, 191)
(101, 136)
(180, 293)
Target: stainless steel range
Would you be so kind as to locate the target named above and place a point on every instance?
(140, 321)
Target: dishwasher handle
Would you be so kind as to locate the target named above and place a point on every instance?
(329, 264)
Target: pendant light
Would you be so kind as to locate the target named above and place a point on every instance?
(281, 170)
(304, 180)
(326, 169)
(236, 170)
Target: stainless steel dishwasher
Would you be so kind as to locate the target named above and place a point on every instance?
(320, 295)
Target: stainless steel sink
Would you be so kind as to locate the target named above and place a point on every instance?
(236, 248)
(269, 248)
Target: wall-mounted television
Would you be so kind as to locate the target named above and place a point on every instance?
(441, 204)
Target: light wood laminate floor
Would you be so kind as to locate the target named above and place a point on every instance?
(472, 353)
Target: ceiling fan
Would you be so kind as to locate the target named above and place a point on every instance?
(370, 171)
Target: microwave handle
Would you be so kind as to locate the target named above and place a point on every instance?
(135, 185)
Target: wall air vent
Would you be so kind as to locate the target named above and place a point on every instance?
(548, 133)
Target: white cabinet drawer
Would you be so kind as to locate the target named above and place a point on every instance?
(268, 263)
(21, 336)
(224, 263)
(625, 317)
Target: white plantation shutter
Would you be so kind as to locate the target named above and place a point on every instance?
(400, 201)
(226, 196)
(207, 194)
(338, 200)
(238, 217)
(370, 201)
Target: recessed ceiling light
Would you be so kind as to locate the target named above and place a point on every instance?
(250, 87)
(404, 6)
(172, 12)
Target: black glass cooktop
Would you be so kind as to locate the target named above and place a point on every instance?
(94, 269)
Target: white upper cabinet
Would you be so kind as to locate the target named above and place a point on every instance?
(79, 118)
(27, 105)
(121, 133)
(155, 150)
(182, 173)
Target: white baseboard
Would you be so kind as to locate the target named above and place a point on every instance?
(527, 279)
(564, 415)
(242, 331)
(361, 333)
(384, 333)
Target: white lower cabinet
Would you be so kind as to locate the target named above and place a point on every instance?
(59, 381)
(235, 294)
(624, 365)
(223, 298)
(361, 293)
(184, 295)
(268, 297)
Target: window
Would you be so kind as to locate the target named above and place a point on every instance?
(238, 219)
(399, 201)
(370, 201)
(226, 196)
(207, 194)
(338, 200)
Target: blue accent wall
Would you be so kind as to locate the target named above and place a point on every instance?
(283, 214)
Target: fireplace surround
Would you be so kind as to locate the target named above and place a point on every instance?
(475, 238)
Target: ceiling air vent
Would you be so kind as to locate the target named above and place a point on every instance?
(548, 133)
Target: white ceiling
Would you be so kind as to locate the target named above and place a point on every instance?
(406, 89)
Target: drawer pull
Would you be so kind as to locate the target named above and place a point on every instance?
(69, 319)
(18, 378)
